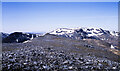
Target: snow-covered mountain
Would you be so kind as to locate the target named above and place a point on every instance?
(18, 37)
(87, 33)
(83, 32)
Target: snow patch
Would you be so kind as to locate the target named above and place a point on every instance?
(27, 41)
(16, 40)
(32, 37)
(113, 33)
(112, 47)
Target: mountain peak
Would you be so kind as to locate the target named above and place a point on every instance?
(84, 32)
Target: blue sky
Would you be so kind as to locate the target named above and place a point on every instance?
(60, 0)
(47, 16)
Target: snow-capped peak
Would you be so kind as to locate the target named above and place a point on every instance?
(62, 31)
(91, 31)
(83, 32)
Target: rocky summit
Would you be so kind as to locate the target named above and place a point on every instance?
(48, 59)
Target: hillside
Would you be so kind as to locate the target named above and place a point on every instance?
(58, 51)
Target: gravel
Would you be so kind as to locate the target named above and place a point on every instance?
(49, 59)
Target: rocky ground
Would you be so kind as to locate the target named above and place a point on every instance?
(49, 54)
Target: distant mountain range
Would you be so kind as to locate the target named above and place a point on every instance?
(88, 33)
(75, 33)
(84, 33)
